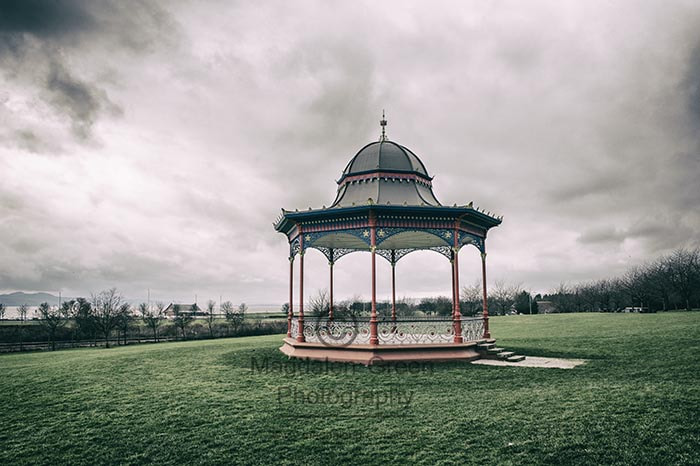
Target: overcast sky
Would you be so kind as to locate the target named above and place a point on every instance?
(153, 146)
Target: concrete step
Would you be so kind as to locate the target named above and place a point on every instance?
(485, 346)
(494, 350)
(505, 354)
(516, 358)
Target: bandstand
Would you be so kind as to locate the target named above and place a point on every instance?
(384, 205)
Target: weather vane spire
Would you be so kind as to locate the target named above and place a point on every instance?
(383, 125)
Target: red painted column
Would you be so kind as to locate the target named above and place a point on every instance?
(452, 271)
(487, 334)
(300, 319)
(457, 316)
(373, 334)
(393, 291)
(290, 314)
(330, 308)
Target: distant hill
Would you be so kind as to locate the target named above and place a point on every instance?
(31, 299)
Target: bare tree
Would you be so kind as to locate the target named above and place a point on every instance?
(234, 317)
(659, 284)
(211, 307)
(503, 295)
(152, 317)
(182, 319)
(472, 298)
(405, 307)
(561, 298)
(81, 313)
(228, 311)
(634, 284)
(683, 268)
(51, 318)
(320, 304)
(106, 306)
(22, 311)
(124, 320)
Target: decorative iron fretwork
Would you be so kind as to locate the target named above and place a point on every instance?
(444, 250)
(472, 328)
(333, 254)
(400, 253)
(393, 255)
(399, 332)
(294, 247)
(336, 332)
(415, 332)
(468, 238)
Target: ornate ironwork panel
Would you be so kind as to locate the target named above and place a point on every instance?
(472, 328)
(400, 332)
(336, 332)
(400, 253)
(444, 250)
(468, 238)
(294, 247)
(340, 252)
(333, 254)
(415, 332)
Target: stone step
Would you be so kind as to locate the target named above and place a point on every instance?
(485, 346)
(516, 358)
(505, 354)
(494, 350)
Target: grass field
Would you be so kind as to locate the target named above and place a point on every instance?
(637, 401)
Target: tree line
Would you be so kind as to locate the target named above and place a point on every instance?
(107, 314)
(671, 282)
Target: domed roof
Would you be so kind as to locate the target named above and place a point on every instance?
(385, 156)
(385, 173)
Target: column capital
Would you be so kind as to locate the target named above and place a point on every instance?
(372, 248)
(291, 258)
(483, 255)
(330, 263)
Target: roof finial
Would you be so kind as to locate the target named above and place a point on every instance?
(383, 125)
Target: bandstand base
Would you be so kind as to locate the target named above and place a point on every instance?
(381, 354)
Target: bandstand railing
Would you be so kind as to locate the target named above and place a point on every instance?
(344, 332)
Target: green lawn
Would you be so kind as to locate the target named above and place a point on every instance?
(636, 402)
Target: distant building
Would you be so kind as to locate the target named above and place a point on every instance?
(191, 309)
(545, 307)
(636, 309)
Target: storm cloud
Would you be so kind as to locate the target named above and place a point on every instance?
(42, 47)
(184, 127)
